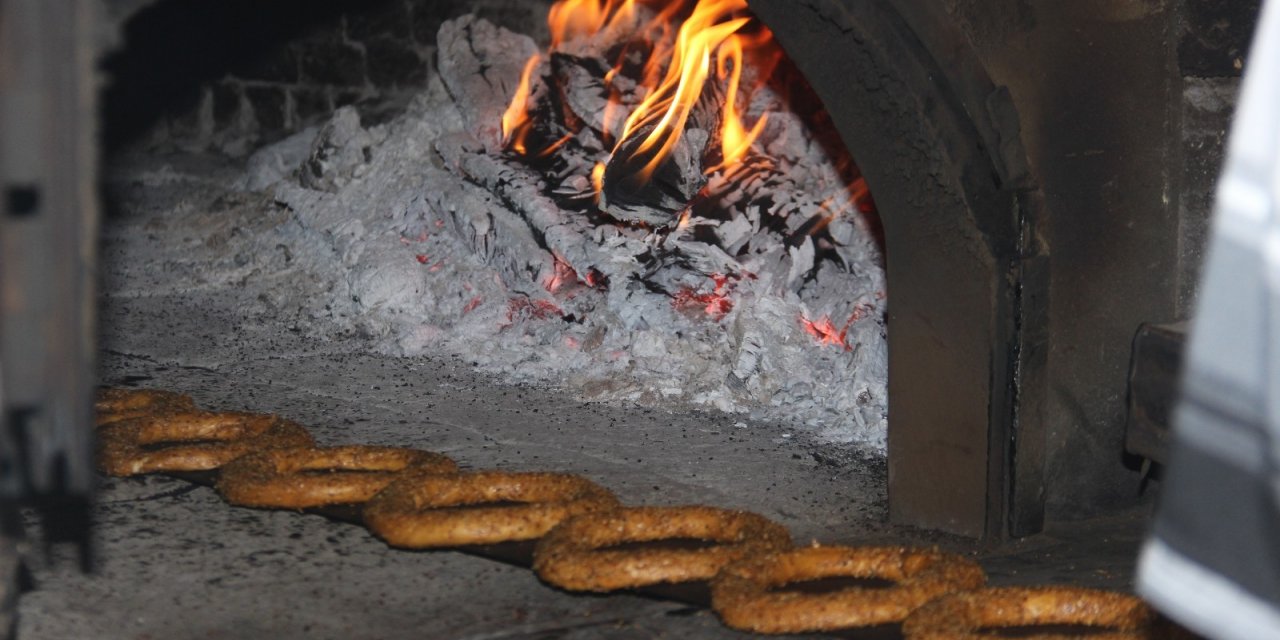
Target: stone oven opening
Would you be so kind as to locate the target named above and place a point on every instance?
(348, 209)
(607, 211)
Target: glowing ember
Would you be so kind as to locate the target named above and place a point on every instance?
(715, 304)
(526, 309)
(564, 275)
(826, 332)
(596, 280)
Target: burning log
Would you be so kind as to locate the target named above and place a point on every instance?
(642, 186)
(657, 167)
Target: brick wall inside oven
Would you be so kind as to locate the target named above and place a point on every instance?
(229, 75)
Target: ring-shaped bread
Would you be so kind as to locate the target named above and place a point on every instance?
(970, 616)
(749, 595)
(191, 441)
(306, 477)
(115, 405)
(577, 556)
(423, 511)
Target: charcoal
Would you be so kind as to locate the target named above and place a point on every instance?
(339, 153)
(631, 195)
(521, 190)
(481, 65)
(580, 82)
(278, 162)
(495, 234)
(801, 261)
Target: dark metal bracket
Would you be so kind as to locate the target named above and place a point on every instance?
(1154, 374)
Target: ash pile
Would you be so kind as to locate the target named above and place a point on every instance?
(624, 215)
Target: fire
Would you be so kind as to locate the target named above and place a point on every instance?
(613, 107)
(734, 137)
(570, 19)
(516, 122)
(666, 109)
(709, 44)
(597, 179)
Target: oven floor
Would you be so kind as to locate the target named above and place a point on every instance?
(173, 561)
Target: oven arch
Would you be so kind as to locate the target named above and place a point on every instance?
(966, 268)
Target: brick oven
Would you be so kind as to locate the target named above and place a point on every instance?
(1041, 172)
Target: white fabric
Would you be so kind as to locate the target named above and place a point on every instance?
(1230, 414)
(1202, 600)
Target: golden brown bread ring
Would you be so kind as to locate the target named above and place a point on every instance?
(420, 511)
(575, 555)
(115, 405)
(746, 597)
(305, 477)
(191, 441)
(965, 616)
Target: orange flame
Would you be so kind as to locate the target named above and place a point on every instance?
(515, 121)
(571, 19)
(612, 106)
(735, 140)
(678, 59)
(597, 179)
(667, 107)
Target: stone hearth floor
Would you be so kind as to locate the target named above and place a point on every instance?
(175, 562)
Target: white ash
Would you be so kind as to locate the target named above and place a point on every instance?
(423, 236)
